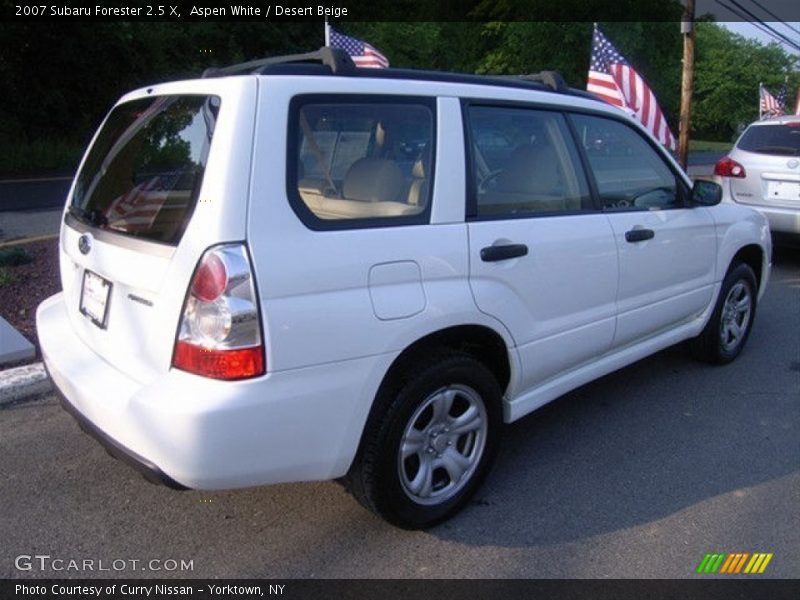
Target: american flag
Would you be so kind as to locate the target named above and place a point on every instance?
(362, 53)
(137, 209)
(770, 105)
(614, 80)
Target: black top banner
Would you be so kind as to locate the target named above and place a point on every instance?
(389, 10)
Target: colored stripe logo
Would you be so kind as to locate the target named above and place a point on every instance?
(735, 563)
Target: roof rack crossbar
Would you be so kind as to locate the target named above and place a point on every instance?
(551, 79)
(336, 59)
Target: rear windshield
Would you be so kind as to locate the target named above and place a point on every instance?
(143, 173)
(780, 140)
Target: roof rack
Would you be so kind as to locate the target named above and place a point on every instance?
(551, 79)
(336, 59)
(338, 62)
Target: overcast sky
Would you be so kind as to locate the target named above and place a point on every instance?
(750, 30)
(770, 12)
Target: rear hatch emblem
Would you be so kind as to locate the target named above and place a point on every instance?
(84, 244)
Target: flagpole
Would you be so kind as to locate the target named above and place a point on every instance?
(797, 103)
(760, 95)
(687, 83)
(327, 33)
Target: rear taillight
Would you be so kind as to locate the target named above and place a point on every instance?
(727, 167)
(220, 331)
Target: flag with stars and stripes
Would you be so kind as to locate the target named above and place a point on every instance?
(362, 53)
(771, 106)
(782, 99)
(614, 80)
(137, 209)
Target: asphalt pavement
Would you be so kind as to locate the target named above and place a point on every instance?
(639, 474)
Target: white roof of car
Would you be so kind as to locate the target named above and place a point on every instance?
(777, 120)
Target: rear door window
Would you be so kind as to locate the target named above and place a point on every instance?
(144, 171)
(524, 163)
(778, 140)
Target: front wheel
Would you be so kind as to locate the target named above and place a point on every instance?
(727, 331)
(430, 441)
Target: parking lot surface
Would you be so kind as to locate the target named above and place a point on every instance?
(639, 474)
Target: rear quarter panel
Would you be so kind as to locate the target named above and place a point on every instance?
(737, 227)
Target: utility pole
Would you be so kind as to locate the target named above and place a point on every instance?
(687, 82)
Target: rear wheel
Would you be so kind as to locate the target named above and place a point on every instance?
(727, 331)
(429, 443)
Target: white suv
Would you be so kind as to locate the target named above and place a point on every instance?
(297, 271)
(763, 171)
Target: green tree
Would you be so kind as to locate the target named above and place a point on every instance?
(728, 69)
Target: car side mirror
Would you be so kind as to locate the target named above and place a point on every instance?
(706, 193)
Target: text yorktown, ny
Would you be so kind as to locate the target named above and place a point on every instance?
(146, 591)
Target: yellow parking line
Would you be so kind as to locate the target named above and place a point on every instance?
(29, 240)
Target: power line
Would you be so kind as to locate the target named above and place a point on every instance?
(774, 16)
(762, 25)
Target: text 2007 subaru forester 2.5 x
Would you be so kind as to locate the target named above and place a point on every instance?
(295, 270)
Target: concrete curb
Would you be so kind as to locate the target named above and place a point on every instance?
(23, 382)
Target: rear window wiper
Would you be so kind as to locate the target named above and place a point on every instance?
(93, 217)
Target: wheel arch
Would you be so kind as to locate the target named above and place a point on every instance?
(754, 256)
(744, 237)
(480, 341)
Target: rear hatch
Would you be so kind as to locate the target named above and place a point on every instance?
(165, 178)
(770, 154)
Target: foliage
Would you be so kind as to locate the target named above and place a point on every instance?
(6, 277)
(708, 146)
(728, 69)
(60, 78)
(40, 156)
(13, 257)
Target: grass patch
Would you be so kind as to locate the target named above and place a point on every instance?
(40, 156)
(703, 146)
(13, 257)
(6, 277)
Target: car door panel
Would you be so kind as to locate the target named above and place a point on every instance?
(542, 259)
(666, 248)
(667, 279)
(558, 301)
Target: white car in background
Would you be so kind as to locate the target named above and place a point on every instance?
(763, 171)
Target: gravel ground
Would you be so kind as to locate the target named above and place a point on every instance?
(29, 285)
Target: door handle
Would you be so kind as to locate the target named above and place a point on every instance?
(639, 235)
(504, 252)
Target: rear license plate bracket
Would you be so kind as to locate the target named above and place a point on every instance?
(95, 294)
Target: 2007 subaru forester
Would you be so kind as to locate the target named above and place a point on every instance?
(297, 270)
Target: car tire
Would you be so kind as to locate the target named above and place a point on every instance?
(429, 442)
(727, 330)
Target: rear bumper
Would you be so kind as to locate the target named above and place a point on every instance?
(191, 432)
(147, 469)
(782, 220)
